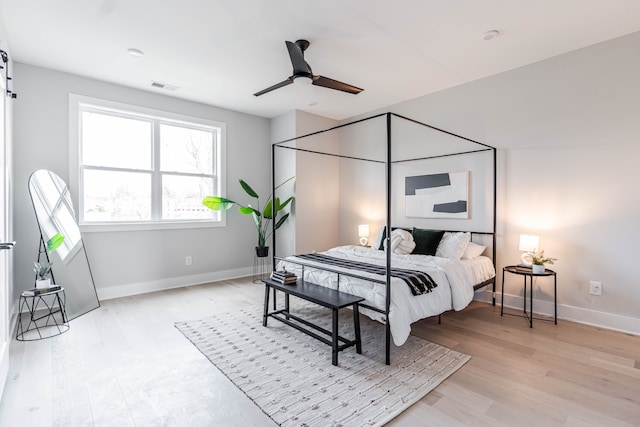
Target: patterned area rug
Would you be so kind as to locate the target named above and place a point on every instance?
(289, 375)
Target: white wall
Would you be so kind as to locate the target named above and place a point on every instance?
(480, 191)
(313, 225)
(283, 128)
(317, 188)
(363, 182)
(129, 262)
(567, 131)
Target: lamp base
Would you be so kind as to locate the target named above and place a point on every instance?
(525, 259)
(364, 241)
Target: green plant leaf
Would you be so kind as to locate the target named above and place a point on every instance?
(55, 242)
(282, 219)
(286, 202)
(266, 212)
(217, 203)
(261, 219)
(248, 210)
(247, 188)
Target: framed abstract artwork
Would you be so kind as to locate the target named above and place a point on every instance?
(441, 195)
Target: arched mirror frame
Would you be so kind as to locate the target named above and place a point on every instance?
(55, 216)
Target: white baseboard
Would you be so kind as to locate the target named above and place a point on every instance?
(626, 324)
(4, 364)
(105, 293)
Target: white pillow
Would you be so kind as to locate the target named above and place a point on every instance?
(452, 245)
(473, 250)
(394, 241)
(401, 242)
(405, 247)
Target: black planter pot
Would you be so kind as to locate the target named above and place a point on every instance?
(262, 252)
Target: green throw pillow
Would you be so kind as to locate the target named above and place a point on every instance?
(426, 241)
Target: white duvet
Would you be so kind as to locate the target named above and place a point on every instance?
(455, 280)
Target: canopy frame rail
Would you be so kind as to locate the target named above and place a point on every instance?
(388, 169)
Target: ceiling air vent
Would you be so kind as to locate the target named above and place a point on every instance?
(159, 85)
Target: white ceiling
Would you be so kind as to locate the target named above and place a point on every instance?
(220, 52)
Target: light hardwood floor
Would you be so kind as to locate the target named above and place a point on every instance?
(125, 364)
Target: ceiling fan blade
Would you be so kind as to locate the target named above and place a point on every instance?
(296, 53)
(334, 84)
(274, 87)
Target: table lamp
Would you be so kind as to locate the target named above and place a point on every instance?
(528, 244)
(363, 233)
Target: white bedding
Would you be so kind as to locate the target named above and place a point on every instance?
(455, 280)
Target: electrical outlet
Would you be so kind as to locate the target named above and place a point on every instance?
(188, 260)
(595, 288)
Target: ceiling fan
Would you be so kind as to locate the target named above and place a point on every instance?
(302, 72)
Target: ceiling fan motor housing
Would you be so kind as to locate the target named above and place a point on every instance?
(303, 75)
(303, 44)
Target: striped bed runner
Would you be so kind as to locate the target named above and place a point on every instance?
(418, 281)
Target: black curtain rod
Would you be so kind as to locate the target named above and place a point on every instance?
(5, 60)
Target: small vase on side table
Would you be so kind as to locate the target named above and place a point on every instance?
(43, 283)
(537, 268)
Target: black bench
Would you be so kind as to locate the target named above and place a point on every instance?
(321, 295)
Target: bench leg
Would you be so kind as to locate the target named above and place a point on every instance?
(387, 341)
(265, 314)
(356, 326)
(334, 346)
(286, 306)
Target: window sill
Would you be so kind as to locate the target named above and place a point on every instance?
(169, 225)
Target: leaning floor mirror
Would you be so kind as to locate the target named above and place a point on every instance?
(57, 222)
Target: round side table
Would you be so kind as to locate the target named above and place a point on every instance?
(42, 316)
(528, 272)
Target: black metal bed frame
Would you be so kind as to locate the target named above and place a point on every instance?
(388, 164)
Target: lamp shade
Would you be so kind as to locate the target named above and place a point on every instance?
(529, 242)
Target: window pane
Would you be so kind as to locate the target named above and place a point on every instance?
(55, 214)
(115, 141)
(186, 150)
(116, 196)
(182, 197)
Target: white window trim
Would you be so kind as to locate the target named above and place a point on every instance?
(74, 163)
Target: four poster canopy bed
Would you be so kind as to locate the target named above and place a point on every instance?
(435, 191)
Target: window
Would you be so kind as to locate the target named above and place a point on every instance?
(141, 168)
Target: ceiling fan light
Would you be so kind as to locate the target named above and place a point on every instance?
(303, 80)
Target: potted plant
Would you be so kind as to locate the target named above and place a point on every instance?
(42, 271)
(538, 260)
(262, 217)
